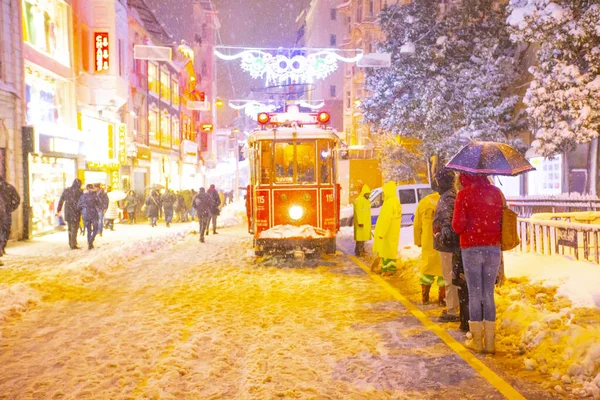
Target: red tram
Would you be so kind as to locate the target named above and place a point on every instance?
(293, 200)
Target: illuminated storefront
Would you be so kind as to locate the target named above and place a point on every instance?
(46, 28)
(189, 166)
(101, 151)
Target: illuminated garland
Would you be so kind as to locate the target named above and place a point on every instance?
(280, 69)
(252, 107)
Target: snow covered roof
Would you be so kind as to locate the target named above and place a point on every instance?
(305, 132)
(149, 21)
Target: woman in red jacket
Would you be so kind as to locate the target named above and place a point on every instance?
(478, 221)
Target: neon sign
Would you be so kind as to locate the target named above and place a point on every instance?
(122, 144)
(101, 51)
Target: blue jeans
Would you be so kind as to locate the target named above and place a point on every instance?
(168, 216)
(91, 227)
(481, 268)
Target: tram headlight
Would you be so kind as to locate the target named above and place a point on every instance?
(296, 212)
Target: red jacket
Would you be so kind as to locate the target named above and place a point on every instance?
(478, 212)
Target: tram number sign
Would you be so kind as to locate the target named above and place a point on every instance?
(328, 210)
(262, 210)
(329, 198)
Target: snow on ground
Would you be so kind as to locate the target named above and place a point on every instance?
(232, 214)
(547, 313)
(206, 321)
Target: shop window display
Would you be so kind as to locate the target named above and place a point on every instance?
(49, 178)
(44, 97)
(46, 27)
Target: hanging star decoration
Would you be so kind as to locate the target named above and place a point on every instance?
(279, 68)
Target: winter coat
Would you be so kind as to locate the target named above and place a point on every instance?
(203, 204)
(215, 201)
(221, 199)
(131, 202)
(11, 199)
(89, 204)
(430, 261)
(112, 212)
(387, 229)
(168, 201)
(104, 200)
(70, 199)
(180, 204)
(478, 212)
(362, 216)
(152, 206)
(442, 221)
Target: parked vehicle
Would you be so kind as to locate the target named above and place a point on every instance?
(409, 196)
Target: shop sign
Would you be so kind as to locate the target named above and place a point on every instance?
(114, 178)
(111, 141)
(49, 144)
(94, 165)
(189, 152)
(122, 144)
(101, 51)
(143, 153)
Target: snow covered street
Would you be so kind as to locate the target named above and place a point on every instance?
(162, 316)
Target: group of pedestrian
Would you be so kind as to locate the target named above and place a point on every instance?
(459, 230)
(207, 206)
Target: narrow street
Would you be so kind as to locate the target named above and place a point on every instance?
(192, 321)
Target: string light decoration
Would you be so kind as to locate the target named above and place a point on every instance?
(299, 66)
(252, 107)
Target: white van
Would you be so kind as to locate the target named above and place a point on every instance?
(409, 196)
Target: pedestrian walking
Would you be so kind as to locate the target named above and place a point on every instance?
(188, 196)
(478, 222)
(152, 206)
(362, 221)
(192, 209)
(111, 213)
(168, 205)
(202, 204)
(131, 203)
(90, 205)
(11, 200)
(429, 261)
(104, 202)
(69, 201)
(387, 229)
(215, 208)
(180, 207)
(446, 241)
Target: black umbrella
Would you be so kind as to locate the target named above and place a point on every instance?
(490, 158)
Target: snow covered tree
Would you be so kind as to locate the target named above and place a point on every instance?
(398, 163)
(449, 76)
(563, 98)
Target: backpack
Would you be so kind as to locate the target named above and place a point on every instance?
(10, 196)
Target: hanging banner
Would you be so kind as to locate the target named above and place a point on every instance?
(122, 144)
(101, 51)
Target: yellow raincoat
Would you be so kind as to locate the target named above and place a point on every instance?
(387, 229)
(423, 235)
(362, 216)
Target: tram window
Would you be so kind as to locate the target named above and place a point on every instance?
(305, 155)
(284, 162)
(266, 160)
(325, 159)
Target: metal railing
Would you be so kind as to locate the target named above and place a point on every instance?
(547, 237)
(526, 207)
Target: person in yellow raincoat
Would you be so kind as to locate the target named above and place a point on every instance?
(362, 220)
(430, 261)
(387, 229)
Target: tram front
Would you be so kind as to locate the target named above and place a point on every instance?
(293, 197)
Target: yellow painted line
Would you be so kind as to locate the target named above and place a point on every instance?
(503, 387)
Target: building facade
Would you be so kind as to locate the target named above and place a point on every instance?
(12, 117)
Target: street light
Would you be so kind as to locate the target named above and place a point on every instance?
(219, 103)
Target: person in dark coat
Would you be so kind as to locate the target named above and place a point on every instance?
(152, 207)
(11, 200)
(131, 202)
(104, 201)
(202, 203)
(215, 208)
(89, 205)
(70, 199)
(168, 205)
(445, 240)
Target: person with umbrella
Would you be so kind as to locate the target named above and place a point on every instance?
(477, 219)
(112, 212)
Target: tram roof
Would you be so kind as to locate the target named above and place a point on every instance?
(301, 132)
